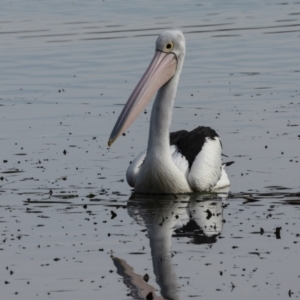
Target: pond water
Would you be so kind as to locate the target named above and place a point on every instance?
(70, 228)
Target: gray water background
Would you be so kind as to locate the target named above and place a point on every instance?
(66, 70)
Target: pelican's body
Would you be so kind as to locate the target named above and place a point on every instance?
(180, 162)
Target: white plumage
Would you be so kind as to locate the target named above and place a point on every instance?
(206, 169)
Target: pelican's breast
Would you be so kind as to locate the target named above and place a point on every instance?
(161, 176)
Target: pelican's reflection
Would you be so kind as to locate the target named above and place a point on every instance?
(198, 217)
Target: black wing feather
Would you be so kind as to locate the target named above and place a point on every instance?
(190, 143)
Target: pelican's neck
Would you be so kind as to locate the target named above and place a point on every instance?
(161, 117)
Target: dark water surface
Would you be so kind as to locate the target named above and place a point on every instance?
(69, 226)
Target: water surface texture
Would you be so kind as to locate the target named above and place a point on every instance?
(70, 228)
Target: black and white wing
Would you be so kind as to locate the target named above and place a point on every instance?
(201, 149)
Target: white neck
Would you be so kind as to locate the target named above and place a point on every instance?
(161, 116)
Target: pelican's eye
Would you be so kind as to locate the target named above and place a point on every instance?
(169, 46)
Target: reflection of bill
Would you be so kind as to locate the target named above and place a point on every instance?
(139, 288)
(199, 217)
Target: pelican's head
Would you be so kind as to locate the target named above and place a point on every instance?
(172, 41)
(167, 61)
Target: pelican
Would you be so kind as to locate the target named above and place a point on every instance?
(178, 162)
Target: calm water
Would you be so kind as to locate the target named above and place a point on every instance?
(69, 229)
